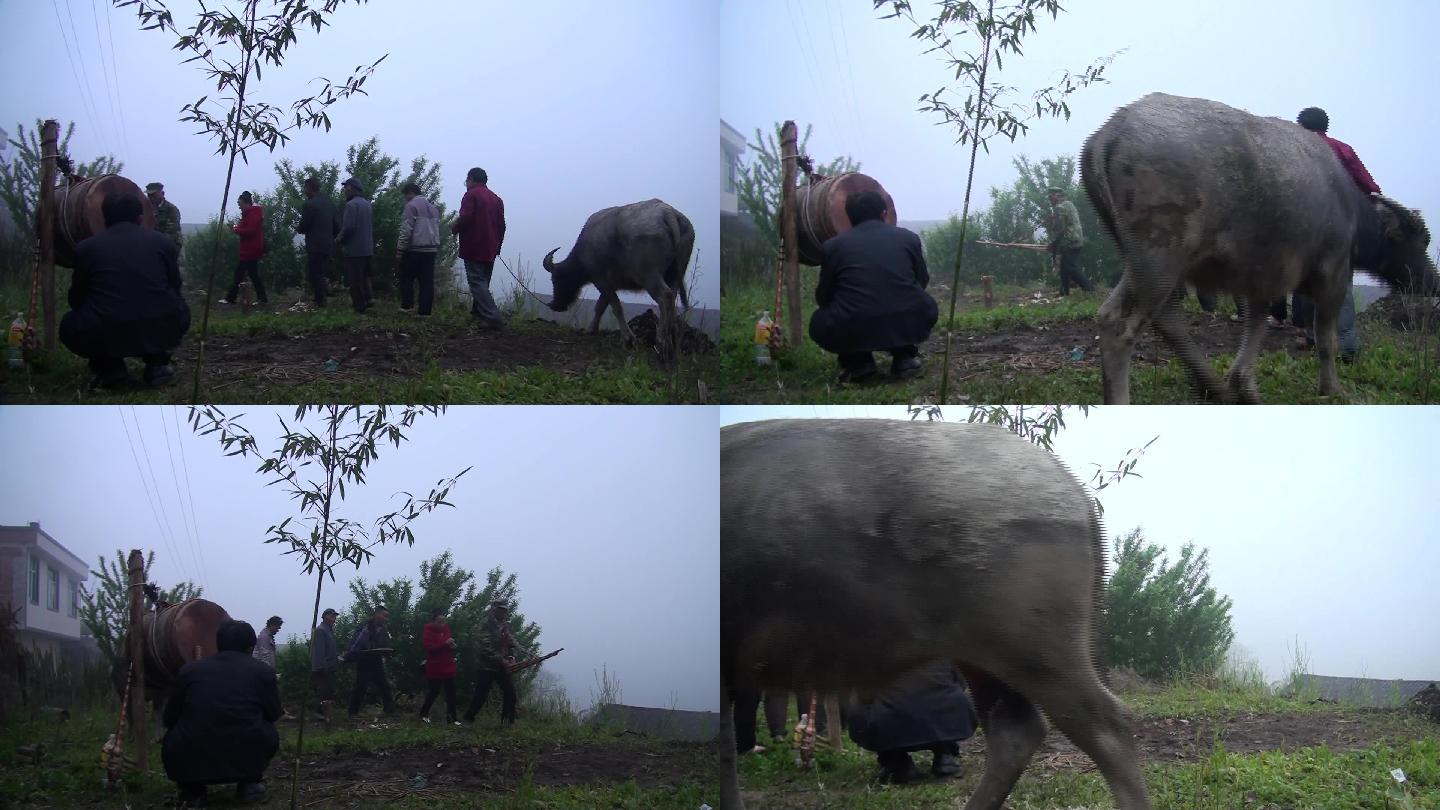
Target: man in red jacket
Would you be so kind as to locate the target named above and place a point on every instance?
(251, 229)
(481, 228)
(439, 647)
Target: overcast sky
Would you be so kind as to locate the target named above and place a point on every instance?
(856, 78)
(1320, 522)
(609, 517)
(570, 106)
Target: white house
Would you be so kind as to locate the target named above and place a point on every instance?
(732, 146)
(40, 581)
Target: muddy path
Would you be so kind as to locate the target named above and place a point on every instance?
(348, 778)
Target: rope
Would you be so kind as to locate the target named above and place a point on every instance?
(506, 265)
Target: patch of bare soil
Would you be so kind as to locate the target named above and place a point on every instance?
(341, 354)
(1426, 703)
(1180, 740)
(646, 325)
(1051, 347)
(344, 778)
(1404, 312)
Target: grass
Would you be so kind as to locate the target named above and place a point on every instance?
(71, 774)
(1391, 368)
(1314, 778)
(630, 377)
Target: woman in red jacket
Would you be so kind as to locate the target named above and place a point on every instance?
(251, 229)
(439, 647)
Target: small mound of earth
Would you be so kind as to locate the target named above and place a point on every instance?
(692, 341)
(1426, 703)
(1404, 312)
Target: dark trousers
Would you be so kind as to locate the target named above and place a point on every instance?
(107, 368)
(1070, 272)
(448, 684)
(746, 704)
(858, 361)
(896, 759)
(249, 268)
(323, 681)
(357, 275)
(1278, 310)
(417, 266)
(365, 677)
(483, 682)
(315, 273)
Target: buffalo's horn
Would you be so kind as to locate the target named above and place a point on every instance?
(548, 262)
(1410, 219)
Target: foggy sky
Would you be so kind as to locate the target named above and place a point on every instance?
(1319, 521)
(570, 106)
(608, 516)
(857, 78)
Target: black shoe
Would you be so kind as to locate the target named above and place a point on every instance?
(903, 368)
(856, 376)
(899, 772)
(250, 792)
(946, 765)
(114, 381)
(159, 376)
(192, 797)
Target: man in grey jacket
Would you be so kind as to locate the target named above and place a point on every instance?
(357, 238)
(320, 224)
(324, 660)
(417, 247)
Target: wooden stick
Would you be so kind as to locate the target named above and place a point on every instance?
(789, 153)
(138, 737)
(1016, 245)
(49, 136)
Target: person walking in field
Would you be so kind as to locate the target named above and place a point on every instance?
(265, 641)
(495, 655)
(439, 645)
(167, 216)
(481, 228)
(367, 652)
(416, 248)
(324, 660)
(357, 238)
(1066, 240)
(319, 224)
(251, 229)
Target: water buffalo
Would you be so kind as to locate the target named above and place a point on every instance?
(1193, 190)
(640, 246)
(892, 544)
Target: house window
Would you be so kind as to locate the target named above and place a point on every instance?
(52, 594)
(731, 164)
(34, 580)
(74, 609)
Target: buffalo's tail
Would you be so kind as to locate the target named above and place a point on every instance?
(682, 238)
(1095, 177)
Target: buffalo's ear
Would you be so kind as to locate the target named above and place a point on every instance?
(1389, 222)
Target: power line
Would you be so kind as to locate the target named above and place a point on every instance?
(849, 68)
(112, 84)
(180, 499)
(819, 88)
(164, 516)
(80, 57)
(189, 491)
(80, 86)
(136, 458)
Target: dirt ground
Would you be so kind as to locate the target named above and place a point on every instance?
(1177, 740)
(351, 777)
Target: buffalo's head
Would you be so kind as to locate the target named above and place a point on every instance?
(566, 278)
(1406, 262)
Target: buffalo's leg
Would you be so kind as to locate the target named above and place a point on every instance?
(1240, 380)
(1013, 730)
(665, 338)
(1327, 316)
(619, 310)
(1120, 323)
(600, 303)
(1094, 720)
(1172, 329)
(684, 296)
(729, 778)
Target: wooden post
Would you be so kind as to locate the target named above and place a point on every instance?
(139, 740)
(832, 719)
(45, 223)
(789, 152)
(986, 282)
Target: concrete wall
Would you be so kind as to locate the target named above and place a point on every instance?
(732, 146)
(60, 576)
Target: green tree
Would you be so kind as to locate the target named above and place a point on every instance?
(759, 184)
(314, 468)
(105, 608)
(1164, 619)
(239, 122)
(985, 113)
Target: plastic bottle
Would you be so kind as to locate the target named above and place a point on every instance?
(16, 340)
(762, 339)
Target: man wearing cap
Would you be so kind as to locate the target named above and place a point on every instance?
(367, 652)
(494, 657)
(1066, 239)
(265, 641)
(324, 659)
(357, 238)
(167, 216)
(319, 224)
